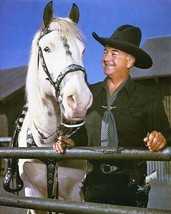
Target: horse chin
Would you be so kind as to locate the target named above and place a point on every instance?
(79, 116)
(74, 119)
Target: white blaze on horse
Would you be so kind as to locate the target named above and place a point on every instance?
(56, 91)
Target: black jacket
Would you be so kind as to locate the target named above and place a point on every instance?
(138, 110)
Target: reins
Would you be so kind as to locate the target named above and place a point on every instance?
(77, 126)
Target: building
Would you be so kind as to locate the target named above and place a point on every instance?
(12, 97)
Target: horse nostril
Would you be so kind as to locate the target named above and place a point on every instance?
(72, 101)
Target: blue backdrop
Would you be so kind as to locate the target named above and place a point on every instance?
(20, 19)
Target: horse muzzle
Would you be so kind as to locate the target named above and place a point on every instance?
(76, 98)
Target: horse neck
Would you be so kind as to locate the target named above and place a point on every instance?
(45, 118)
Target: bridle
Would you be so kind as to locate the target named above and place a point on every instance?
(56, 84)
(63, 73)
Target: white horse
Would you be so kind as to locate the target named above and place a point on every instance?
(56, 90)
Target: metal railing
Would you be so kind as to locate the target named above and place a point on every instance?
(89, 153)
(74, 207)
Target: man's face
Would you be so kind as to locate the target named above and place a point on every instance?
(115, 62)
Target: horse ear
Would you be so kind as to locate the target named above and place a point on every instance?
(48, 14)
(74, 14)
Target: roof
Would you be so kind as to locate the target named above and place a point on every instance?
(159, 49)
(12, 80)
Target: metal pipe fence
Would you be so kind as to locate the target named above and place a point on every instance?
(89, 153)
(73, 207)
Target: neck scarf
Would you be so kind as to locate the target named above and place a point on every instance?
(109, 135)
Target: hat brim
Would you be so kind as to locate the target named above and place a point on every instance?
(143, 60)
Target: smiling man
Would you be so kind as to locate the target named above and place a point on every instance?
(123, 114)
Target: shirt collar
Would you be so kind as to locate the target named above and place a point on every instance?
(127, 87)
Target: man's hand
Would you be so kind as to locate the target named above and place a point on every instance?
(155, 141)
(62, 144)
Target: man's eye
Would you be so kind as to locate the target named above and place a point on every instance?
(114, 54)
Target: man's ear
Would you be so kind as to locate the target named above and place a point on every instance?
(131, 61)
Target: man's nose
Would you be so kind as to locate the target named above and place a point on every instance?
(107, 57)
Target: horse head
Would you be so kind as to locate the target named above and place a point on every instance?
(58, 50)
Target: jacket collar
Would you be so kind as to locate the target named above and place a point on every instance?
(129, 87)
(100, 87)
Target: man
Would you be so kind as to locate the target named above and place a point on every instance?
(123, 114)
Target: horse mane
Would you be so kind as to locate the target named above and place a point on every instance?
(33, 95)
(67, 27)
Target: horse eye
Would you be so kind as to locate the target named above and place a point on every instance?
(47, 49)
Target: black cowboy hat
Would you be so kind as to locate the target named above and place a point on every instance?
(127, 38)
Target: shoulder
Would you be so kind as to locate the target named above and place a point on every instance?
(97, 87)
(142, 90)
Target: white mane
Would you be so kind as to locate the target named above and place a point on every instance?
(67, 27)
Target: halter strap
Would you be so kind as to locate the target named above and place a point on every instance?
(56, 84)
(63, 73)
(69, 69)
